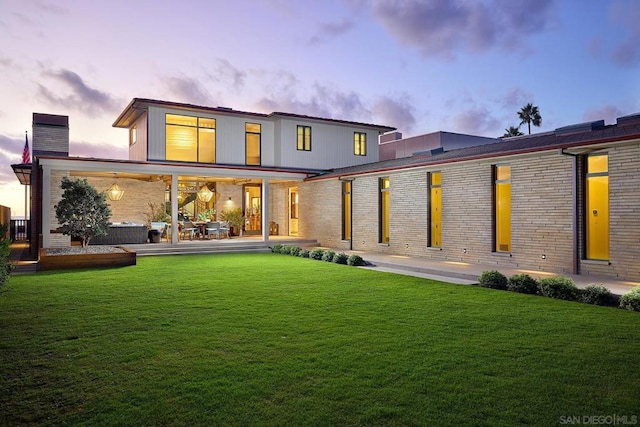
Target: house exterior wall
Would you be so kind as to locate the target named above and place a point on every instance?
(138, 151)
(331, 145)
(543, 206)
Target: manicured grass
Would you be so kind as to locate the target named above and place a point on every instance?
(277, 340)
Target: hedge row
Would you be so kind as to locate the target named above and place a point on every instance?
(560, 287)
(326, 255)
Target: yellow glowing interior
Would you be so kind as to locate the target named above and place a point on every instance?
(385, 210)
(252, 143)
(346, 210)
(436, 209)
(503, 208)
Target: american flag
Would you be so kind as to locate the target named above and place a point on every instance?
(26, 157)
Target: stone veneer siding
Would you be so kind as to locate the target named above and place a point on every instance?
(542, 216)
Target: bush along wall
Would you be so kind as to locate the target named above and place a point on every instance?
(319, 254)
(560, 287)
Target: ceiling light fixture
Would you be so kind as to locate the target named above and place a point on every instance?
(204, 194)
(114, 192)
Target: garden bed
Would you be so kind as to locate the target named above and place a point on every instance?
(78, 257)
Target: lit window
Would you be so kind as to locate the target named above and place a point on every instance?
(252, 143)
(435, 212)
(190, 139)
(304, 138)
(346, 210)
(359, 144)
(502, 196)
(385, 210)
(597, 206)
(133, 135)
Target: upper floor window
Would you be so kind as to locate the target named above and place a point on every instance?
(304, 138)
(360, 143)
(252, 143)
(133, 135)
(190, 139)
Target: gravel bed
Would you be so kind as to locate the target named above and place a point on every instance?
(79, 250)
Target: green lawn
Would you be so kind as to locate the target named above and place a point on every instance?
(276, 340)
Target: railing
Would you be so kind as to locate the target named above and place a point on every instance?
(20, 230)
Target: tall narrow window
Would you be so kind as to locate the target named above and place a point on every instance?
(435, 211)
(133, 135)
(597, 206)
(502, 195)
(346, 210)
(252, 143)
(360, 144)
(304, 138)
(190, 139)
(385, 209)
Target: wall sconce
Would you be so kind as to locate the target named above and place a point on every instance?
(544, 256)
(464, 251)
(114, 192)
(229, 198)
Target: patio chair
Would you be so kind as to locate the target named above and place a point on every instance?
(188, 228)
(212, 229)
(224, 229)
(162, 228)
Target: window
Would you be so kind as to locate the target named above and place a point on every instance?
(502, 207)
(346, 210)
(252, 143)
(133, 135)
(190, 139)
(304, 138)
(359, 144)
(385, 209)
(435, 209)
(597, 206)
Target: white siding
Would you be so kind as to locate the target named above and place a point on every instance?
(331, 145)
(138, 151)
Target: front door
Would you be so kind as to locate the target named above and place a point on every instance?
(293, 211)
(252, 208)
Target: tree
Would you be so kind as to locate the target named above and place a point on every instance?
(512, 131)
(5, 251)
(530, 114)
(82, 212)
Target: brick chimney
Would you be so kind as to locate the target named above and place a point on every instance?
(50, 135)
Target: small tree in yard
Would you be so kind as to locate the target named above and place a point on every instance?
(82, 212)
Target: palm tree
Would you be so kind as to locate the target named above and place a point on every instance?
(530, 114)
(512, 131)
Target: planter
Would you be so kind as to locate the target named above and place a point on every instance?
(86, 260)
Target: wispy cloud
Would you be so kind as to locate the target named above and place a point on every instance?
(78, 95)
(395, 112)
(331, 30)
(442, 27)
(228, 74)
(476, 121)
(625, 15)
(187, 89)
(98, 151)
(10, 153)
(607, 112)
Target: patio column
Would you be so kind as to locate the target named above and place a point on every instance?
(45, 211)
(265, 210)
(174, 209)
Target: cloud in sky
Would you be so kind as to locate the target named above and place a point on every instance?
(10, 153)
(607, 112)
(395, 112)
(626, 15)
(442, 27)
(98, 151)
(228, 74)
(186, 89)
(476, 121)
(329, 30)
(78, 94)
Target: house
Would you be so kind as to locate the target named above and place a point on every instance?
(564, 201)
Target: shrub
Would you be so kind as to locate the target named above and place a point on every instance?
(558, 287)
(522, 283)
(286, 249)
(328, 256)
(631, 300)
(493, 279)
(277, 248)
(304, 253)
(316, 254)
(294, 251)
(5, 251)
(597, 295)
(340, 258)
(355, 260)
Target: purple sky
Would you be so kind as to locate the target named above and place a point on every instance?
(420, 66)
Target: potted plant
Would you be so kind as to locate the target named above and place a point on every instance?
(235, 219)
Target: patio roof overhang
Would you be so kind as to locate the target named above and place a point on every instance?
(164, 170)
(23, 173)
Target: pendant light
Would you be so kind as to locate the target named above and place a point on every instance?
(114, 192)
(204, 194)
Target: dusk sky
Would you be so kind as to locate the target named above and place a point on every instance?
(421, 66)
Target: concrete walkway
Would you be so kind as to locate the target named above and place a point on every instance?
(446, 271)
